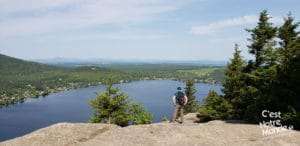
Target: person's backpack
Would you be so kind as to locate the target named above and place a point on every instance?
(180, 98)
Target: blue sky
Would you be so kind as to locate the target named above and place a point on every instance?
(133, 29)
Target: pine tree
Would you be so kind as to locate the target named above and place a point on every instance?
(111, 107)
(294, 78)
(261, 35)
(260, 74)
(288, 35)
(233, 74)
(193, 103)
(287, 89)
(234, 83)
(288, 41)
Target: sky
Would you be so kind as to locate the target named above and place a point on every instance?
(133, 29)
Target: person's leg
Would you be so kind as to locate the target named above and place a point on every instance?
(175, 112)
(181, 113)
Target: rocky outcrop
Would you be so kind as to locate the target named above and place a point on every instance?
(165, 133)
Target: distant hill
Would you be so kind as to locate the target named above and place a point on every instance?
(22, 79)
(73, 62)
(12, 66)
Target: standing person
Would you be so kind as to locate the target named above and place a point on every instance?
(179, 101)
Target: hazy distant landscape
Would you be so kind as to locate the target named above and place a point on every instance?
(113, 62)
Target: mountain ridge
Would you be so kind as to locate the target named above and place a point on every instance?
(10, 65)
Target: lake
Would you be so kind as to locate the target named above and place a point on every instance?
(73, 105)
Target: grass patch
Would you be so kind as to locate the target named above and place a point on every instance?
(200, 72)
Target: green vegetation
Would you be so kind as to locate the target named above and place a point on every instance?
(200, 72)
(215, 108)
(206, 74)
(172, 72)
(269, 82)
(234, 81)
(193, 103)
(22, 79)
(139, 115)
(164, 119)
(115, 108)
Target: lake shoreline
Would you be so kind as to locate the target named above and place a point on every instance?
(8, 101)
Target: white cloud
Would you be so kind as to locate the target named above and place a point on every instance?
(220, 25)
(57, 15)
(277, 20)
(116, 36)
(17, 6)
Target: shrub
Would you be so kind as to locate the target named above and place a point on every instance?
(164, 119)
(139, 115)
(215, 108)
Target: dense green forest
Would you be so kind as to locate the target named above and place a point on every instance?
(269, 82)
(23, 79)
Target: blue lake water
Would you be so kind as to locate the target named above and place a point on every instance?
(73, 105)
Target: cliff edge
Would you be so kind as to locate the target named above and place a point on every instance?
(165, 133)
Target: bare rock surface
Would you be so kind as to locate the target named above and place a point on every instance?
(187, 134)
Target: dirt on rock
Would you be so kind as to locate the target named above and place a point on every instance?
(159, 134)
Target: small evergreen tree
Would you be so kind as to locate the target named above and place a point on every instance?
(110, 107)
(193, 103)
(116, 108)
(234, 82)
(233, 72)
(164, 119)
(139, 115)
(215, 108)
